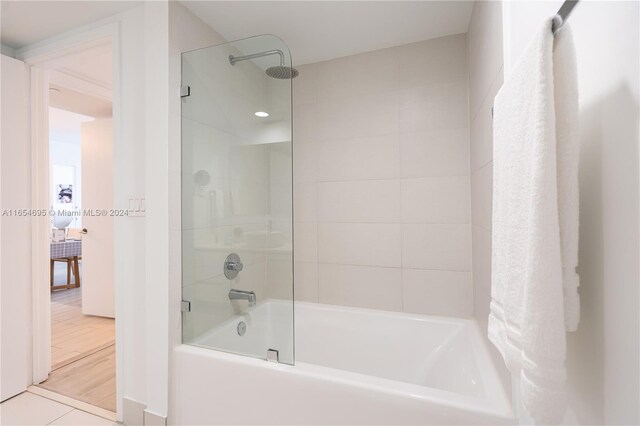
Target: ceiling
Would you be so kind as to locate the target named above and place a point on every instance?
(64, 126)
(313, 30)
(93, 65)
(77, 102)
(83, 83)
(26, 22)
(321, 30)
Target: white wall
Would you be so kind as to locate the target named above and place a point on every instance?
(129, 238)
(603, 354)
(146, 303)
(15, 244)
(185, 32)
(381, 180)
(129, 181)
(485, 59)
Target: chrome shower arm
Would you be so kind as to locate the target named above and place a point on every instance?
(234, 59)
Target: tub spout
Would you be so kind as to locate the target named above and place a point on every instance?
(249, 296)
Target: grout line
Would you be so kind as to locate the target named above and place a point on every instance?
(377, 135)
(71, 409)
(470, 194)
(392, 267)
(402, 208)
(486, 94)
(317, 232)
(392, 223)
(398, 178)
(482, 166)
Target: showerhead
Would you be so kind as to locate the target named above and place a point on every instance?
(281, 72)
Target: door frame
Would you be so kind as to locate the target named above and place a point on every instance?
(41, 58)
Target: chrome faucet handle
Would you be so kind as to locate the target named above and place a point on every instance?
(232, 266)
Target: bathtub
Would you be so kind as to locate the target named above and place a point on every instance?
(352, 366)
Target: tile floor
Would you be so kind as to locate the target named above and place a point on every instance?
(31, 409)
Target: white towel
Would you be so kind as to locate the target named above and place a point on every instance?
(535, 221)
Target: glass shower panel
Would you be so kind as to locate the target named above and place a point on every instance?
(237, 246)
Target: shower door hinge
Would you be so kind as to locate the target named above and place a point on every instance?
(185, 306)
(273, 355)
(185, 91)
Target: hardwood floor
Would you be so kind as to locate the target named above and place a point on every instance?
(73, 334)
(91, 379)
(82, 352)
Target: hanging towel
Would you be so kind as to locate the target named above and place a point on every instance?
(534, 298)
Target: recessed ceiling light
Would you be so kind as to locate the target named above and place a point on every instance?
(262, 114)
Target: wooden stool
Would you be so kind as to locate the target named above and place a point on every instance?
(72, 263)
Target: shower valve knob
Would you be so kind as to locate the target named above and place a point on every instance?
(235, 266)
(232, 266)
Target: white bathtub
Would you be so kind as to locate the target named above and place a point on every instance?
(353, 366)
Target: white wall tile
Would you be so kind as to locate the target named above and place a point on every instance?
(481, 141)
(367, 115)
(305, 162)
(447, 293)
(436, 200)
(484, 41)
(306, 281)
(305, 85)
(279, 281)
(381, 139)
(305, 201)
(375, 157)
(481, 196)
(306, 242)
(359, 201)
(435, 153)
(442, 247)
(434, 106)
(435, 60)
(481, 274)
(305, 123)
(358, 75)
(373, 244)
(361, 286)
(485, 63)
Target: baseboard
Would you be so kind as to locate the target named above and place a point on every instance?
(132, 412)
(152, 419)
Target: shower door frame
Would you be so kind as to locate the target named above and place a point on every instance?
(185, 92)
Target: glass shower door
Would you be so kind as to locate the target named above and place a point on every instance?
(237, 246)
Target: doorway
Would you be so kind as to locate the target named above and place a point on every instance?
(81, 259)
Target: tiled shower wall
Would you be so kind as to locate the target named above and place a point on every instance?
(484, 56)
(484, 41)
(381, 172)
